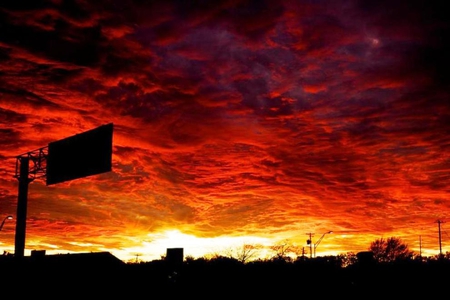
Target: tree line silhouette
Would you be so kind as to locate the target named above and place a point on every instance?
(387, 269)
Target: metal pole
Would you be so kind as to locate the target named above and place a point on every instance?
(310, 245)
(319, 240)
(19, 247)
(440, 241)
(420, 246)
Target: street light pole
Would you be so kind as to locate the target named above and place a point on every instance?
(6, 218)
(319, 240)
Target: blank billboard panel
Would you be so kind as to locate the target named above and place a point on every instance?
(174, 257)
(81, 155)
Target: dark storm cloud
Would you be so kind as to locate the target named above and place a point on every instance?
(8, 116)
(428, 26)
(65, 43)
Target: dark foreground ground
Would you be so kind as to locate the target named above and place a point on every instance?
(43, 279)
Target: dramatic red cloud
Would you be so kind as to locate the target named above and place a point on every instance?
(235, 122)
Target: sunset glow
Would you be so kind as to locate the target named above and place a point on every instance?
(235, 123)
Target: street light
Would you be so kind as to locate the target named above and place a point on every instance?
(3, 223)
(319, 240)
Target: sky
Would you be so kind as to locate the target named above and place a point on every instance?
(260, 123)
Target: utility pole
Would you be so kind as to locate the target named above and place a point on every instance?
(440, 240)
(310, 243)
(420, 246)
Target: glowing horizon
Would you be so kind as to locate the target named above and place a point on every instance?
(236, 121)
(155, 246)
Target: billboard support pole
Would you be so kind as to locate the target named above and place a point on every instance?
(98, 163)
(19, 246)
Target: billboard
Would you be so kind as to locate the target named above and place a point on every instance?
(174, 257)
(85, 154)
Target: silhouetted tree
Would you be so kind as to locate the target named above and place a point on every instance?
(347, 259)
(390, 249)
(245, 253)
(438, 257)
(284, 251)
